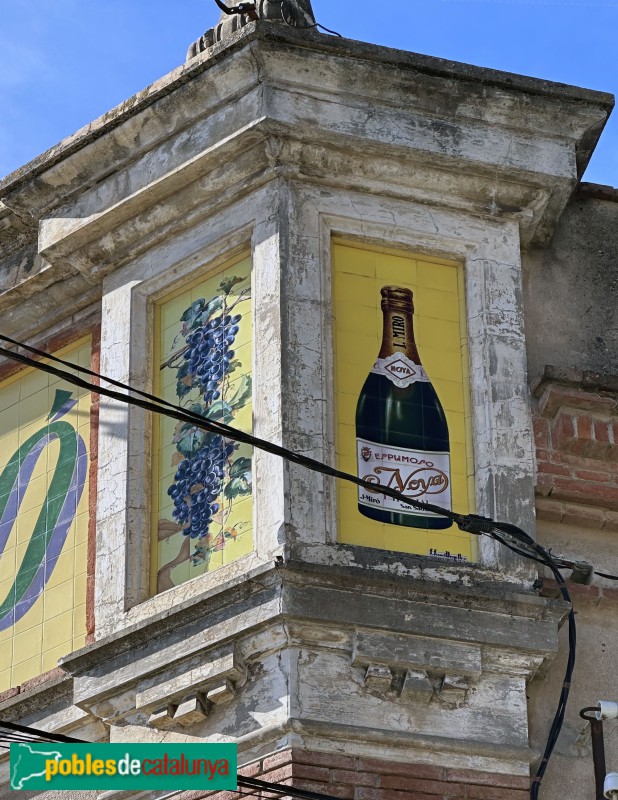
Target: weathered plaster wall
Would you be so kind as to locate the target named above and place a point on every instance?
(571, 288)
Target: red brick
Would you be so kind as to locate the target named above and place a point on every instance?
(579, 591)
(355, 778)
(429, 787)
(277, 760)
(396, 768)
(553, 469)
(610, 595)
(9, 693)
(544, 487)
(388, 794)
(602, 431)
(541, 431)
(593, 493)
(590, 475)
(471, 776)
(251, 770)
(563, 432)
(281, 775)
(311, 773)
(333, 760)
(326, 788)
(496, 793)
(41, 680)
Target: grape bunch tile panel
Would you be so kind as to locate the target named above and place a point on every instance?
(203, 508)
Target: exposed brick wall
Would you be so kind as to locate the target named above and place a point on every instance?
(576, 438)
(358, 778)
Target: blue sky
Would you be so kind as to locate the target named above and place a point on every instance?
(65, 62)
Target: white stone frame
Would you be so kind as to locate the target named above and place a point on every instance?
(122, 595)
(502, 424)
(290, 227)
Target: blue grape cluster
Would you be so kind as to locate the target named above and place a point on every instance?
(199, 476)
(197, 485)
(209, 356)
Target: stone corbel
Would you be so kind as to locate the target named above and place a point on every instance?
(187, 696)
(427, 668)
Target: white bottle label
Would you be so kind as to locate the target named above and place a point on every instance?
(422, 476)
(400, 370)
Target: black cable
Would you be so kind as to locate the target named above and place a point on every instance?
(502, 532)
(159, 406)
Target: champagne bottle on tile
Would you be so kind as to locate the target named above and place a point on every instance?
(401, 431)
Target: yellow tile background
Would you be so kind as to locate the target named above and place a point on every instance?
(56, 623)
(236, 520)
(440, 329)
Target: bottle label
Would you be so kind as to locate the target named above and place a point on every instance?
(420, 475)
(400, 370)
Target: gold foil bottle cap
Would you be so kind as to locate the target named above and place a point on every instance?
(397, 297)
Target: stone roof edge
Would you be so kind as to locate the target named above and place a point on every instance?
(597, 191)
(164, 86)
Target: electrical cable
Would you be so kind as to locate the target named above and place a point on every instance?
(508, 535)
(159, 406)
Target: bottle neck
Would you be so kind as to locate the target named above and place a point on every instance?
(398, 333)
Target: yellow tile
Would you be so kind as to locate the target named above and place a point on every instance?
(58, 632)
(171, 311)
(441, 364)
(58, 600)
(6, 655)
(32, 618)
(64, 569)
(437, 333)
(9, 426)
(458, 458)
(456, 427)
(9, 398)
(450, 395)
(33, 382)
(80, 558)
(438, 276)
(34, 496)
(80, 584)
(79, 642)
(27, 645)
(79, 620)
(432, 303)
(5, 680)
(51, 657)
(33, 408)
(354, 261)
(7, 573)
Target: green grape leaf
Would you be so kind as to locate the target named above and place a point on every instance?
(183, 388)
(220, 412)
(228, 284)
(188, 439)
(237, 488)
(192, 313)
(242, 393)
(214, 305)
(241, 467)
